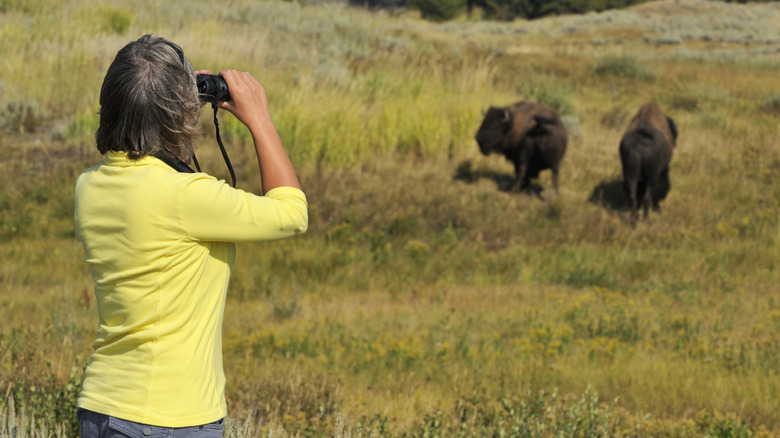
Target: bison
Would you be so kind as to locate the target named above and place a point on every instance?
(645, 153)
(531, 135)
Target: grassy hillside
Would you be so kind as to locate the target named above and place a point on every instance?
(426, 299)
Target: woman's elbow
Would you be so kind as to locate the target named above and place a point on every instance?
(303, 223)
(293, 214)
(299, 220)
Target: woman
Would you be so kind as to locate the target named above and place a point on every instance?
(160, 244)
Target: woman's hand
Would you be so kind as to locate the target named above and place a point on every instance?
(249, 105)
(249, 102)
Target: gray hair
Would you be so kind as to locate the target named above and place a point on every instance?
(149, 101)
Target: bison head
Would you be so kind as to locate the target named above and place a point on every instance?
(495, 125)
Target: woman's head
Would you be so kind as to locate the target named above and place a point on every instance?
(149, 101)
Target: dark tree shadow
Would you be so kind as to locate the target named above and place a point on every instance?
(610, 195)
(505, 182)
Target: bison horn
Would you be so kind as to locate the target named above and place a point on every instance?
(506, 116)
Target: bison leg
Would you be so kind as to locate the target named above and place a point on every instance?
(555, 179)
(661, 189)
(521, 174)
(653, 190)
(630, 184)
(647, 199)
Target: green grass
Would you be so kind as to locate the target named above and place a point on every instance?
(425, 299)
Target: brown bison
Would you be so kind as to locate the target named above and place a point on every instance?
(529, 134)
(645, 152)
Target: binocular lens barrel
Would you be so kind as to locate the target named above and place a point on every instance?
(212, 88)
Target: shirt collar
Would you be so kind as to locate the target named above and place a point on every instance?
(120, 159)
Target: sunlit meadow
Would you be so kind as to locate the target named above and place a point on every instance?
(426, 299)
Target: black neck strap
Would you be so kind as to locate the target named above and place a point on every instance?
(181, 166)
(174, 162)
(221, 147)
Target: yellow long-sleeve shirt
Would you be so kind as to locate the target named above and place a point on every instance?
(160, 245)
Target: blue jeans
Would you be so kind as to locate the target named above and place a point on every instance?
(94, 425)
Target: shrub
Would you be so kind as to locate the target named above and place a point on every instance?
(771, 104)
(19, 424)
(26, 6)
(45, 401)
(19, 117)
(115, 20)
(532, 9)
(378, 4)
(624, 66)
(550, 90)
(533, 415)
(439, 10)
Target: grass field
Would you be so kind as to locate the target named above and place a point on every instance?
(426, 299)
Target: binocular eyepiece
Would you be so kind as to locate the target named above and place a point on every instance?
(212, 88)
